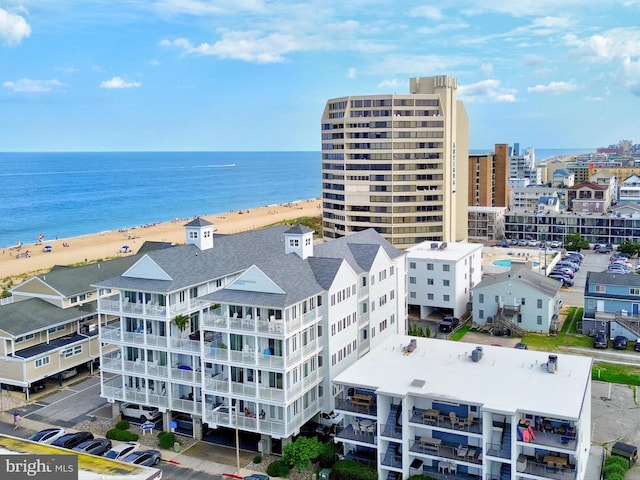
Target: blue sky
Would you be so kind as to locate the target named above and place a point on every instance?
(102, 75)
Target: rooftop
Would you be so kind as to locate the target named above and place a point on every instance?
(504, 380)
(443, 250)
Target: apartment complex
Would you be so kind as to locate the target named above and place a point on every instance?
(441, 276)
(248, 329)
(397, 163)
(486, 224)
(488, 178)
(422, 406)
(50, 327)
(620, 223)
(524, 166)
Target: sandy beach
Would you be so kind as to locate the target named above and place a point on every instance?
(109, 244)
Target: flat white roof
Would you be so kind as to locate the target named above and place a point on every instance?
(504, 380)
(453, 251)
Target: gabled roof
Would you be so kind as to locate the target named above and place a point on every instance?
(631, 180)
(35, 314)
(299, 230)
(608, 278)
(544, 285)
(70, 281)
(591, 185)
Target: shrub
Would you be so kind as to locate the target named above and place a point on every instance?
(122, 435)
(613, 469)
(300, 453)
(614, 476)
(615, 460)
(166, 440)
(122, 425)
(279, 468)
(351, 470)
(327, 455)
(257, 459)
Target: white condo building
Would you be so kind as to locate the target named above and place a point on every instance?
(524, 166)
(434, 407)
(441, 276)
(390, 162)
(249, 327)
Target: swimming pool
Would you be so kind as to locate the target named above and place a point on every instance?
(506, 262)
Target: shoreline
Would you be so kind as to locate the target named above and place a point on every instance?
(107, 244)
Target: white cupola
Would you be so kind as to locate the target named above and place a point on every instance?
(200, 233)
(299, 239)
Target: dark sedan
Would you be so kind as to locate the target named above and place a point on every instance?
(148, 458)
(70, 440)
(97, 446)
(620, 342)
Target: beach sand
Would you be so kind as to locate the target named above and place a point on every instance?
(109, 244)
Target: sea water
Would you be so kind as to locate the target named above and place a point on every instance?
(69, 194)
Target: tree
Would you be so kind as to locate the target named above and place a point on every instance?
(575, 242)
(181, 321)
(627, 246)
(300, 453)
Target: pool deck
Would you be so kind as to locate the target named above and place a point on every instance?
(522, 257)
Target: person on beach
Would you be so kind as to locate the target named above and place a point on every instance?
(17, 418)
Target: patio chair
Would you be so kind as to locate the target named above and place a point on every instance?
(467, 422)
(453, 468)
(455, 421)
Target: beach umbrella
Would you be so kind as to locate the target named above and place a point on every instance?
(125, 248)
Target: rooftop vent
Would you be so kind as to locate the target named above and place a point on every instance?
(552, 364)
(413, 344)
(434, 245)
(443, 245)
(476, 354)
(417, 382)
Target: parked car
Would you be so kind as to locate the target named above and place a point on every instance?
(555, 244)
(502, 244)
(637, 345)
(577, 254)
(47, 435)
(448, 323)
(566, 280)
(97, 446)
(72, 372)
(70, 440)
(601, 340)
(564, 271)
(141, 412)
(36, 386)
(522, 243)
(620, 342)
(148, 458)
(330, 419)
(121, 450)
(521, 346)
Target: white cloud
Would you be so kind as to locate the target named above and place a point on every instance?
(153, 63)
(67, 69)
(392, 84)
(352, 73)
(589, 98)
(486, 91)
(554, 88)
(13, 28)
(617, 43)
(250, 46)
(426, 11)
(486, 69)
(27, 85)
(533, 59)
(118, 82)
(201, 8)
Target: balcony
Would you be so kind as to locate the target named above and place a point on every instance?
(354, 407)
(184, 344)
(554, 467)
(222, 417)
(435, 419)
(469, 455)
(116, 334)
(217, 384)
(185, 405)
(351, 434)
(185, 373)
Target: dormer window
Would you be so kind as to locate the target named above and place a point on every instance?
(193, 234)
(307, 242)
(293, 242)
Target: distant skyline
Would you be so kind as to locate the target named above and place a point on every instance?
(225, 75)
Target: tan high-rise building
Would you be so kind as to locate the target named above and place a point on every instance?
(397, 163)
(489, 178)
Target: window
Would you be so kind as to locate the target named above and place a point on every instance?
(73, 351)
(412, 265)
(445, 298)
(539, 319)
(481, 298)
(446, 268)
(412, 294)
(600, 289)
(429, 266)
(634, 291)
(539, 303)
(522, 301)
(42, 361)
(429, 296)
(480, 313)
(293, 242)
(429, 281)
(445, 283)
(412, 280)
(392, 270)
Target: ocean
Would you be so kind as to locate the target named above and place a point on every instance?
(61, 195)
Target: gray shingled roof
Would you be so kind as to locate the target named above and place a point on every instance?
(198, 222)
(545, 285)
(608, 278)
(35, 314)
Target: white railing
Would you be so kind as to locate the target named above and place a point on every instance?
(214, 320)
(363, 318)
(310, 348)
(267, 393)
(244, 389)
(293, 357)
(363, 292)
(214, 353)
(272, 361)
(109, 391)
(184, 405)
(184, 344)
(185, 375)
(223, 417)
(216, 385)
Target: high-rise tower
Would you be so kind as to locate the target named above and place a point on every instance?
(397, 163)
